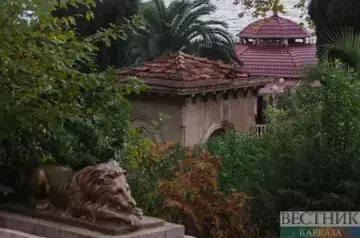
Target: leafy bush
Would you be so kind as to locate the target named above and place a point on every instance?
(313, 147)
(242, 156)
(238, 152)
(147, 162)
(180, 185)
(193, 198)
(51, 110)
(309, 157)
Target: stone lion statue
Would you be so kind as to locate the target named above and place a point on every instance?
(95, 192)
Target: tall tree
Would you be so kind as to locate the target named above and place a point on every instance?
(179, 26)
(104, 13)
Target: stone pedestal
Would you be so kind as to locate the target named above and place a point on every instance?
(51, 225)
(7, 233)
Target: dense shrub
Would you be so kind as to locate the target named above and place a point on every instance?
(51, 111)
(313, 147)
(242, 156)
(193, 198)
(238, 154)
(147, 162)
(309, 157)
(181, 185)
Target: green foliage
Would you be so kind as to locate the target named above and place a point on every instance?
(328, 15)
(342, 44)
(5, 190)
(50, 110)
(180, 27)
(148, 163)
(313, 147)
(308, 158)
(144, 5)
(180, 185)
(238, 153)
(101, 15)
(242, 157)
(193, 197)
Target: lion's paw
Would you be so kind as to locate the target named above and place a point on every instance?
(65, 215)
(43, 205)
(138, 212)
(135, 222)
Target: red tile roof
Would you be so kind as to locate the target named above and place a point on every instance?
(181, 72)
(184, 67)
(274, 27)
(276, 61)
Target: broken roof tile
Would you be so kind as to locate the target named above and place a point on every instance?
(184, 67)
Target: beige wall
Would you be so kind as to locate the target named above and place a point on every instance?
(204, 117)
(193, 121)
(149, 109)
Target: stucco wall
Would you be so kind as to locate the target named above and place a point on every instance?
(204, 117)
(192, 121)
(149, 109)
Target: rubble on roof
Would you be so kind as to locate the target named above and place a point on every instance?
(184, 67)
(181, 73)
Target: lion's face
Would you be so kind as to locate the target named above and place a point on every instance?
(113, 190)
(120, 194)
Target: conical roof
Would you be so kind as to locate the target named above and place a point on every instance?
(274, 27)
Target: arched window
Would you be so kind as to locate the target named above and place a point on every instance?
(146, 129)
(217, 133)
(215, 129)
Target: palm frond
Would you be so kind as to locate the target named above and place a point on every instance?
(178, 7)
(176, 11)
(160, 6)
(152, 18)
(180, 27)
(193, 14)
(343, 44)
(219, 32)
(216, 23)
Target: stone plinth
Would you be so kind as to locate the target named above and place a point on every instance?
(54, 226)
(7, 233)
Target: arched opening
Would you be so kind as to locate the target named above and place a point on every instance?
(217, 133)
(146, 129)
(215, 129)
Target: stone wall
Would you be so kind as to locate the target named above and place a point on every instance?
(147, 108)
(193, 120)
(205, 116)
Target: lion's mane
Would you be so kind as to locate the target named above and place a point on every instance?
(90, 187)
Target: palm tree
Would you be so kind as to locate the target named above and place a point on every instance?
(179, 27)
(340, 50)
(343, 44)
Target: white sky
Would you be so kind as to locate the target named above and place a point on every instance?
(229, 12)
